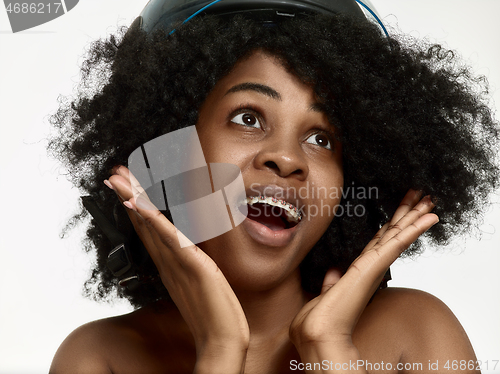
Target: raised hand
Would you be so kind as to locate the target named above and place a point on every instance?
(195, 283)
(324, 326)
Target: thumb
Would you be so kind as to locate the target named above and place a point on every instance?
(332, 276)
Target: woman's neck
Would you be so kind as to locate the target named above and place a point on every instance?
(269, 312)
(269, 315)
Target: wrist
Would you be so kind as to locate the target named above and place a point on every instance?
(331, 357)
(215, 358)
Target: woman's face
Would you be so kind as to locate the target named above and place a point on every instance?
(267, 122)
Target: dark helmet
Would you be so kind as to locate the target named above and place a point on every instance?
(163, 14)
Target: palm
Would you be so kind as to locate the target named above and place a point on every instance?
(333, 314)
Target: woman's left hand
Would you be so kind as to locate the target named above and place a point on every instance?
(323, 327)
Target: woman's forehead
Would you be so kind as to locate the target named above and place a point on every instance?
(260, 65)
(263, 73)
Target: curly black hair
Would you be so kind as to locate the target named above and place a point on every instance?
(408, 114)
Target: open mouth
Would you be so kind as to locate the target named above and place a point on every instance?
(273, 213)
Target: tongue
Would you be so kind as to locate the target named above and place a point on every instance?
(265, 215)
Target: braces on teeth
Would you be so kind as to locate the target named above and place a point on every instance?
(292, 213)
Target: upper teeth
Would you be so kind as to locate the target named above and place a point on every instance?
(292, 213)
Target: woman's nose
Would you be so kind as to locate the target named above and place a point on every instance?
(285, 158)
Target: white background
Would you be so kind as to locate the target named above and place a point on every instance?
(41, 275)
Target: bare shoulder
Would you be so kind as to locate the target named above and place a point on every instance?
(85, 349)
(130, 343)
(414, 325)
(420, 314)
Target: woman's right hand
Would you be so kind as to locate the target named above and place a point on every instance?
(195, 283)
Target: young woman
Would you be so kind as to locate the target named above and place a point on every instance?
(321, 102)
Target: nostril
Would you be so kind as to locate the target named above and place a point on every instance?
(271, 165)
(283, 168)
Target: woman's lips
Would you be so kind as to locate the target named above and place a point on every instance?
(265, 236)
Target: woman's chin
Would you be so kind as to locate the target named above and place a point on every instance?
(254, 257)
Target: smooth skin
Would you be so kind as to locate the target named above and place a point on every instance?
(232, 314)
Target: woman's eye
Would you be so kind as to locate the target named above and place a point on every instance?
(246, 119)
(320, 139)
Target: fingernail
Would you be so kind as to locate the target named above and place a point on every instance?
(108, 183)
(129, 205)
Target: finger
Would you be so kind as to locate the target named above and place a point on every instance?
(357, 285)
(136, 187)
(380, 233)
(423, 207)
(166, 234)
(121, 186)
(161, 231)
(411, 198)
(122, 189)
(129, 188)
(383, 253)
(332, 276)
(377, 259)
(375, 262)
(145, 234)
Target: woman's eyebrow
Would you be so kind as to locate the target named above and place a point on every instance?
(260, 88)
(270, 92)
(318, 107)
